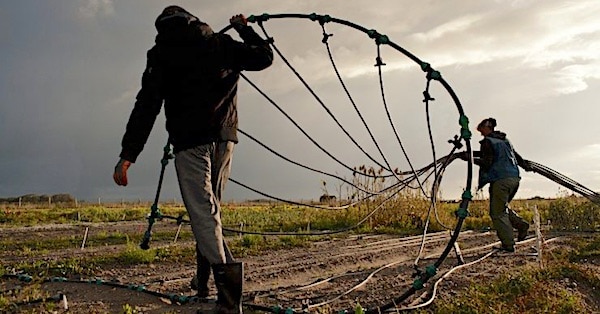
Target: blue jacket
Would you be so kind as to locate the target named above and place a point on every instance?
(501, 159)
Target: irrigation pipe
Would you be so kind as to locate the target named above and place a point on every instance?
(458, 268)
(438, 282)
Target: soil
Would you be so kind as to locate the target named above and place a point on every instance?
(332, 274)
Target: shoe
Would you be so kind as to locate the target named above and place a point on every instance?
(522, 232)
(200, 280)
(229, 279)
(505, 250)
(203, 291)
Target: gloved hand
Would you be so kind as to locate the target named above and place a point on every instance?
(120, 174)
(463, 155)
(238, 20)
(527, 166)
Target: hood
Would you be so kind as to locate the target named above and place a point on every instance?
(177, 24)
(498, 135)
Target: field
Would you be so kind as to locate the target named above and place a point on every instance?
(90, 255)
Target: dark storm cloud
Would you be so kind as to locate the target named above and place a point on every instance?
(71, 70)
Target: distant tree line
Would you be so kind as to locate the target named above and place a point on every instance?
(39, 198)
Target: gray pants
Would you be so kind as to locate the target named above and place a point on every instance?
(504, 218)
(202, 172)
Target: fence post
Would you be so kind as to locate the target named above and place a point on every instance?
(20, 198)
(538, 233)
(177, 234)
(85, 237)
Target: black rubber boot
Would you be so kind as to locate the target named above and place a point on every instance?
(518, 223)
(200, 280)
(229, 279)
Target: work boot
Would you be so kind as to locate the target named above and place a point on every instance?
(229, 279)
(522, 231)
(518, 223)
(505, 250)
(200, 280)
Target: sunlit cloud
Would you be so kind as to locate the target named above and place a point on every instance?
(572, 79)
(589, 154)
(458, 25)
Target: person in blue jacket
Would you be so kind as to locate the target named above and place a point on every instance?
(499, 166)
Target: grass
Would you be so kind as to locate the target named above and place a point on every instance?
(528, 291)
(534, 290)
(32, 246)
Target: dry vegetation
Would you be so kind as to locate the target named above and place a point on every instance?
(41, 240)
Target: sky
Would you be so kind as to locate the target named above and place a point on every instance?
(70, 70)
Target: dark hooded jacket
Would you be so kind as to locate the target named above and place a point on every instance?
(195, 72)
(497, 159)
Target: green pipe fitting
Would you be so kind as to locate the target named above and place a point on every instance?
(25, 278)
(430, 270)
(382, 39)
(464, 123)
(418, 284)
(324, 19)
(462, 213)
(467, 195)
(436, 75)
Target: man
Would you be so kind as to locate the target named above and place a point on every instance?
(498, 166)
(195, 72)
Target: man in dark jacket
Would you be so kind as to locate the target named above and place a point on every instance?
(195, 72)
(498, 165)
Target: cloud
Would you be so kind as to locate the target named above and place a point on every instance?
(93, 8)
(458, 25)
(572, 79)
(589, 154)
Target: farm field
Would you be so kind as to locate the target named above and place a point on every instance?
(328, 273)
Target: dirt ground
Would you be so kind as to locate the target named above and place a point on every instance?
(331, 275)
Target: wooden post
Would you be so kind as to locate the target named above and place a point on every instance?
(177, 233)
(76, 203)
(538, 233)
(49, 201)
(85, 237)
(63, 302)
(20, 199)
(241, 228)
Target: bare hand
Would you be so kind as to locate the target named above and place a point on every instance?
(120, 174)
(239, 19)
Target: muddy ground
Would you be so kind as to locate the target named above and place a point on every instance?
(332, 274)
